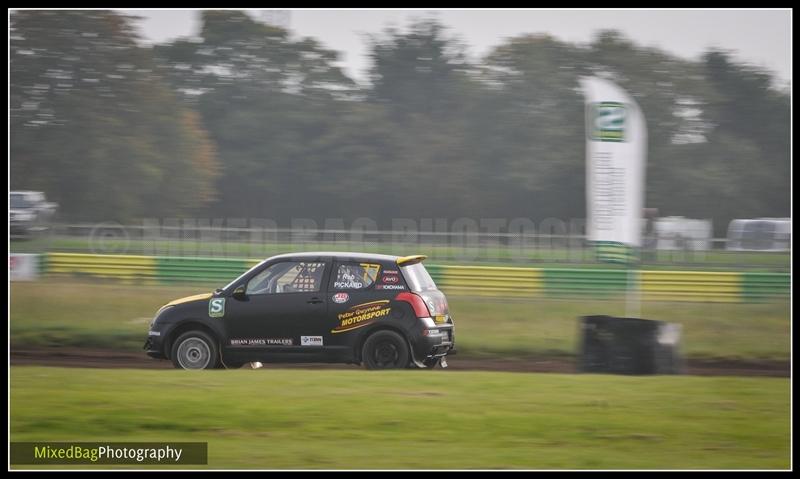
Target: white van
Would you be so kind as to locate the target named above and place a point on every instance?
(760, 234)
(679, 233)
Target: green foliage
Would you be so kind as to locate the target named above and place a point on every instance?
(93, 127)
(753, 122)
(418, 71)
(106, 127)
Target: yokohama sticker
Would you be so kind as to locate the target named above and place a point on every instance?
(362, 315)
(341, 298)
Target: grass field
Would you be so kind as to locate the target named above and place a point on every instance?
(415, 419)
(551, 254)
(63, 312)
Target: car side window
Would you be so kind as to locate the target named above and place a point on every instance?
(287, 277)
(350, 276)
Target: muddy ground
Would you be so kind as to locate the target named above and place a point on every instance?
(103, 358)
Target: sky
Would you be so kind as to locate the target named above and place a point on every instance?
(758, 37)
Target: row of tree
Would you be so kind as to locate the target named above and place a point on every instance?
(246, 120)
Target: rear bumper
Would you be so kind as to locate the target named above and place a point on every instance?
(429, 346)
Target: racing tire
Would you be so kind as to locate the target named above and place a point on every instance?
(385, 350)
(195, 350)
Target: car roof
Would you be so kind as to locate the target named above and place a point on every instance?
(26, 193)
(339, 255)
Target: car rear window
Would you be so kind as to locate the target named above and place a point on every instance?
(418, 278)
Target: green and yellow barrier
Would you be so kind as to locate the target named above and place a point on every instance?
(487, 281)
(129, 269)
(686, 285)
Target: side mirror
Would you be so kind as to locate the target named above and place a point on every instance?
(239, 293)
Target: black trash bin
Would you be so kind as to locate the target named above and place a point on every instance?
(615, 345)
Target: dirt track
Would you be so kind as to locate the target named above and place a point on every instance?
(101, 358)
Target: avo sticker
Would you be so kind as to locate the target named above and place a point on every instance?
(216, 307)
(341, 298)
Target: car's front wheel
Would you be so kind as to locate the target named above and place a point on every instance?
(195, 350)
(385, 350)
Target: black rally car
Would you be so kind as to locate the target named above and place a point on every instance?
(378, 310)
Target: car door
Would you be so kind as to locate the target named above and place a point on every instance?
(353, 302)
(282, 306)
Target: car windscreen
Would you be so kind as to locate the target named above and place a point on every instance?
(418, 278)
(241, 276)
(19, 202)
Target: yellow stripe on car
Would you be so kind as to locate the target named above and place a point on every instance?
(409, 260)
(196, 297)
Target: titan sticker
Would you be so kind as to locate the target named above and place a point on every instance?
(361, 315)
(216, 307)
(310, 340)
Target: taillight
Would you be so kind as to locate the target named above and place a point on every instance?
(436, 302)
(420, 310)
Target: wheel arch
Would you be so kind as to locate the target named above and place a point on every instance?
(189, 325)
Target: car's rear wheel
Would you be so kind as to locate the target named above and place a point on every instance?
(195, 350)
(385, 350)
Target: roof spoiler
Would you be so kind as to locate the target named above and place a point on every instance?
(409, 260)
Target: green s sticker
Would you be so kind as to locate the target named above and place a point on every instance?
(216, 307)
